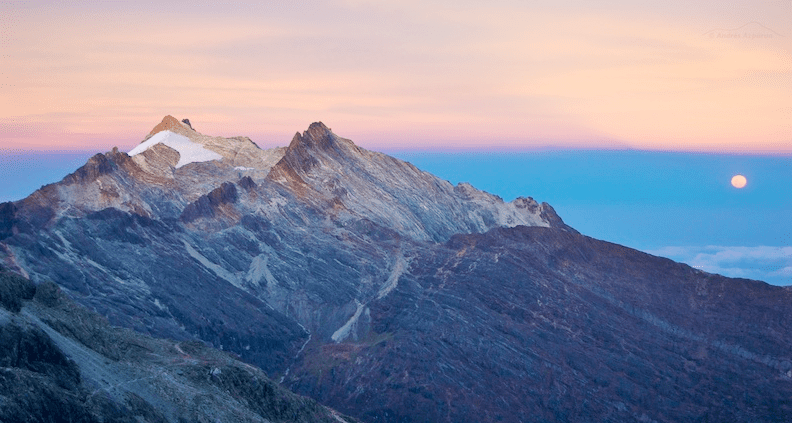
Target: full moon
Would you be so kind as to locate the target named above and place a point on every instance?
(738, 181)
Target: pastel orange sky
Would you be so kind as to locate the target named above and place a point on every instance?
(702, 76)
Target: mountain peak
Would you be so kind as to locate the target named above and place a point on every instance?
(316, 145)
(319, 127)
(170, 123)
(318, 135)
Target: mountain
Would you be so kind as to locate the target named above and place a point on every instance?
(64, 363)
(392, 295)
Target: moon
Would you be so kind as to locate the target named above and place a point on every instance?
(738, 181)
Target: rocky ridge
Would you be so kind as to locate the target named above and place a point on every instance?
(392, 295)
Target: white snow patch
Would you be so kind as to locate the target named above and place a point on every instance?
(298, 352)
(258, 270)
(242, 168)
(159, 305)
(393, 280)
(343, 332)
(509, 216)
(219, 271)
(306, 342)
(65, 242)
(189, 152)
(337, 417)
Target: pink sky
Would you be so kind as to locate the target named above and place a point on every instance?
(702, 76)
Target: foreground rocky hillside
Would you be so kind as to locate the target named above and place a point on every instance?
(64, 363)
(392, 295)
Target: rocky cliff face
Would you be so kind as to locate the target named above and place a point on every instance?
(64, 363)
(393, 295)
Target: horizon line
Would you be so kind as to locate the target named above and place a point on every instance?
(494, 149)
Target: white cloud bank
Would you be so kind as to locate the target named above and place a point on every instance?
(766, 263)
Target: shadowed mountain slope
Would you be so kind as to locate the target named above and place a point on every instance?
(64, 363)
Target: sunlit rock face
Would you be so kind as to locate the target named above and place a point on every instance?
(393, 295)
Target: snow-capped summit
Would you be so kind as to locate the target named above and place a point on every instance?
(172, 144)
(189, 152)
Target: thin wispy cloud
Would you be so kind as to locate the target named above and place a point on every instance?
(767, 263)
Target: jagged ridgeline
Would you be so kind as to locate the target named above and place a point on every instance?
(393, 295)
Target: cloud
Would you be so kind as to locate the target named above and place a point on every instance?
(768, 263)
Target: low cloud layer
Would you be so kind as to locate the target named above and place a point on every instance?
(766, 263)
